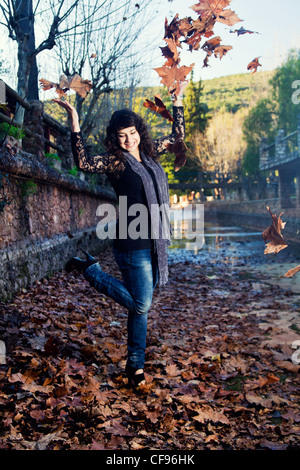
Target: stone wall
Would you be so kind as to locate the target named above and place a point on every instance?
(47, 217)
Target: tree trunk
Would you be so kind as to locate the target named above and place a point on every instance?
(27, 71)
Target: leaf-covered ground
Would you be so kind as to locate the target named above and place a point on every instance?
(219, 366)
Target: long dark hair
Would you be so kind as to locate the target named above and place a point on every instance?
(121, 120)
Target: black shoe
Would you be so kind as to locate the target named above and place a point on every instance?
(134, 379)
(80, 264)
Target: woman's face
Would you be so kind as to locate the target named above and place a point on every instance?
(129, 139)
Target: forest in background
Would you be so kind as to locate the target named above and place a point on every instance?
(224, 103)
(226, 117)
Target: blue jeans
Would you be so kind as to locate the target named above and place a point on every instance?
(140, 276)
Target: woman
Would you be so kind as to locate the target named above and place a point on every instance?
(131, 164)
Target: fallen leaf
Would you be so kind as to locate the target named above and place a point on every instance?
(206, 413)
(292, 271)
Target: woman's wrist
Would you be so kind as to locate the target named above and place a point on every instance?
(176, 100)
(75, 127)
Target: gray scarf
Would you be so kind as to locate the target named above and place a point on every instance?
(160, 221)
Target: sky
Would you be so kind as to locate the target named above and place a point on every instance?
(276, 21)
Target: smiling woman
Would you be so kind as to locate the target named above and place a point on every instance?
(132, 166)
(129, 139)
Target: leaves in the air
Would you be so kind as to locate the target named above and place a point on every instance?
(273, 235)
(191, 31)
(253, 65)
(213, 46)
(74, 82)
(158, 107)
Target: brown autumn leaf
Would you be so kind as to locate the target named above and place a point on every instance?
(172, 370)
(172, 76)
(158, 107)
(171, 53)
(80, 85)
(269, 379)
(206, 413)
(74, 82)
(217, 10)
(178, 148)
(196, 31)
(273, 234)
(172, 30)
(292, 272)
(213, 46)
(253, 65)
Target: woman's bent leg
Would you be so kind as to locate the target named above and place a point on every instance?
(139, 272)
(108, 285)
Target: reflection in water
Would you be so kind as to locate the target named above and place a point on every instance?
(214, 243)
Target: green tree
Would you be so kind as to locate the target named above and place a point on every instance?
(279, 111)
(196, 111)
(282, 92)
(260, 123)
(196, 121)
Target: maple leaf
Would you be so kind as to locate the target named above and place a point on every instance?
(253, 65)
(158, 107)
(273, 234)
(172, 76)
(206, 413)
(185, 26)
(74, 82)
(216, 10)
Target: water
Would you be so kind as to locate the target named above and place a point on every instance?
(232, 245)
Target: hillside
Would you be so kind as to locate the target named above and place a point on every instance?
(234, 92)
(229, 100)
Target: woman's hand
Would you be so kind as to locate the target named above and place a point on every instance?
(71, 112)
(177, 94)
(182, 87)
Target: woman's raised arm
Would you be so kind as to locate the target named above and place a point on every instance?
(88, 163)
(178, 127)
